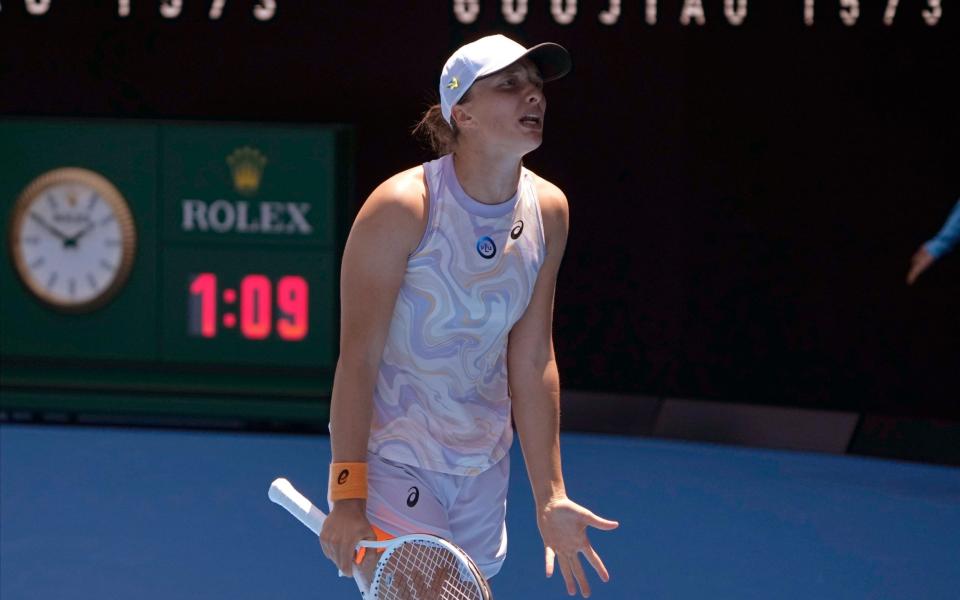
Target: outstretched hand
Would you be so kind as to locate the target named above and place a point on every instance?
(919, 263)
(563, 525)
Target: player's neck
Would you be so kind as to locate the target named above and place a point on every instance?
(487, 177)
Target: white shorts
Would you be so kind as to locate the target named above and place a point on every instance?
(468, 510)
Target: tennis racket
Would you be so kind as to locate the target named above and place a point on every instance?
(411, 567)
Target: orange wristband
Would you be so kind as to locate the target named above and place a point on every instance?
(348, 480)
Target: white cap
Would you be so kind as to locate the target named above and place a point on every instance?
(489, 55)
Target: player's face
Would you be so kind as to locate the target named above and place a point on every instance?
(506, 109)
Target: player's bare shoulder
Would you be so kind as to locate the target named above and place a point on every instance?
(554, 208)
(398, 204)
(404, 192)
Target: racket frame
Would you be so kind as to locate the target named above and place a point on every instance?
(394, 544)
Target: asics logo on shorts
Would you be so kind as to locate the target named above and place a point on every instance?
(414, 497)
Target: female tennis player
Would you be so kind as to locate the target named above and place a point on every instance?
(447, 292)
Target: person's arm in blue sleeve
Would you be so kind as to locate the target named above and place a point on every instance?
(936, 247)
(948, 236)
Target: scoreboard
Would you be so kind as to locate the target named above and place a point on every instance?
(171, 269)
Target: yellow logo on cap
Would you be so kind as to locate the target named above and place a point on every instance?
(454, 84)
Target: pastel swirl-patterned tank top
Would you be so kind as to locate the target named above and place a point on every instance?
(441, 400)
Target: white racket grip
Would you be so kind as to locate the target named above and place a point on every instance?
(284, 494)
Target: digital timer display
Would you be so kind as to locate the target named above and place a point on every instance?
(262, 308)
(272, 307)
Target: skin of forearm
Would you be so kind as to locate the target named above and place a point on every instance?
(351, 410)
(536, 413)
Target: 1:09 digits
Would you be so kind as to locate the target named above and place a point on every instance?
(255, 304)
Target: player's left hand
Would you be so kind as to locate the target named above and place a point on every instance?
(563, 524)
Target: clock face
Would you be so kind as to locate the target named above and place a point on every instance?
(72, 239)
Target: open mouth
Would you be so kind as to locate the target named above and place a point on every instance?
(532, 121)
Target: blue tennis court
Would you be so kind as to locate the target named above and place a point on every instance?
(96, 513)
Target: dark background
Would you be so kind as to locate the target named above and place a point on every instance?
(744, 200)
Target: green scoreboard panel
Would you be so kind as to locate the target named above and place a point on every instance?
(171, 269)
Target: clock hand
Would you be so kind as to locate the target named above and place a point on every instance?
(50, 228)
(73, 240)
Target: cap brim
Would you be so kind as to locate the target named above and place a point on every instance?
(553, 60)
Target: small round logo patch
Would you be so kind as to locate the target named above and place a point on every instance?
(486, 247)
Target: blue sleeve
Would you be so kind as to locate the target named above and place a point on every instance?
(948, 236)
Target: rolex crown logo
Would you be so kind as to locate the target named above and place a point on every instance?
(454, 84)
(246, 165)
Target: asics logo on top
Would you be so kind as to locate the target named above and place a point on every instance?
(517, 230)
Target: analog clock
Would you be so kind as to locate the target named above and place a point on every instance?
(72, 239)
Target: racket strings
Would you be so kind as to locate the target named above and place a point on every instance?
(422, 571)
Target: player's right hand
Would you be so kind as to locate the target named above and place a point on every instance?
(343, 529)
